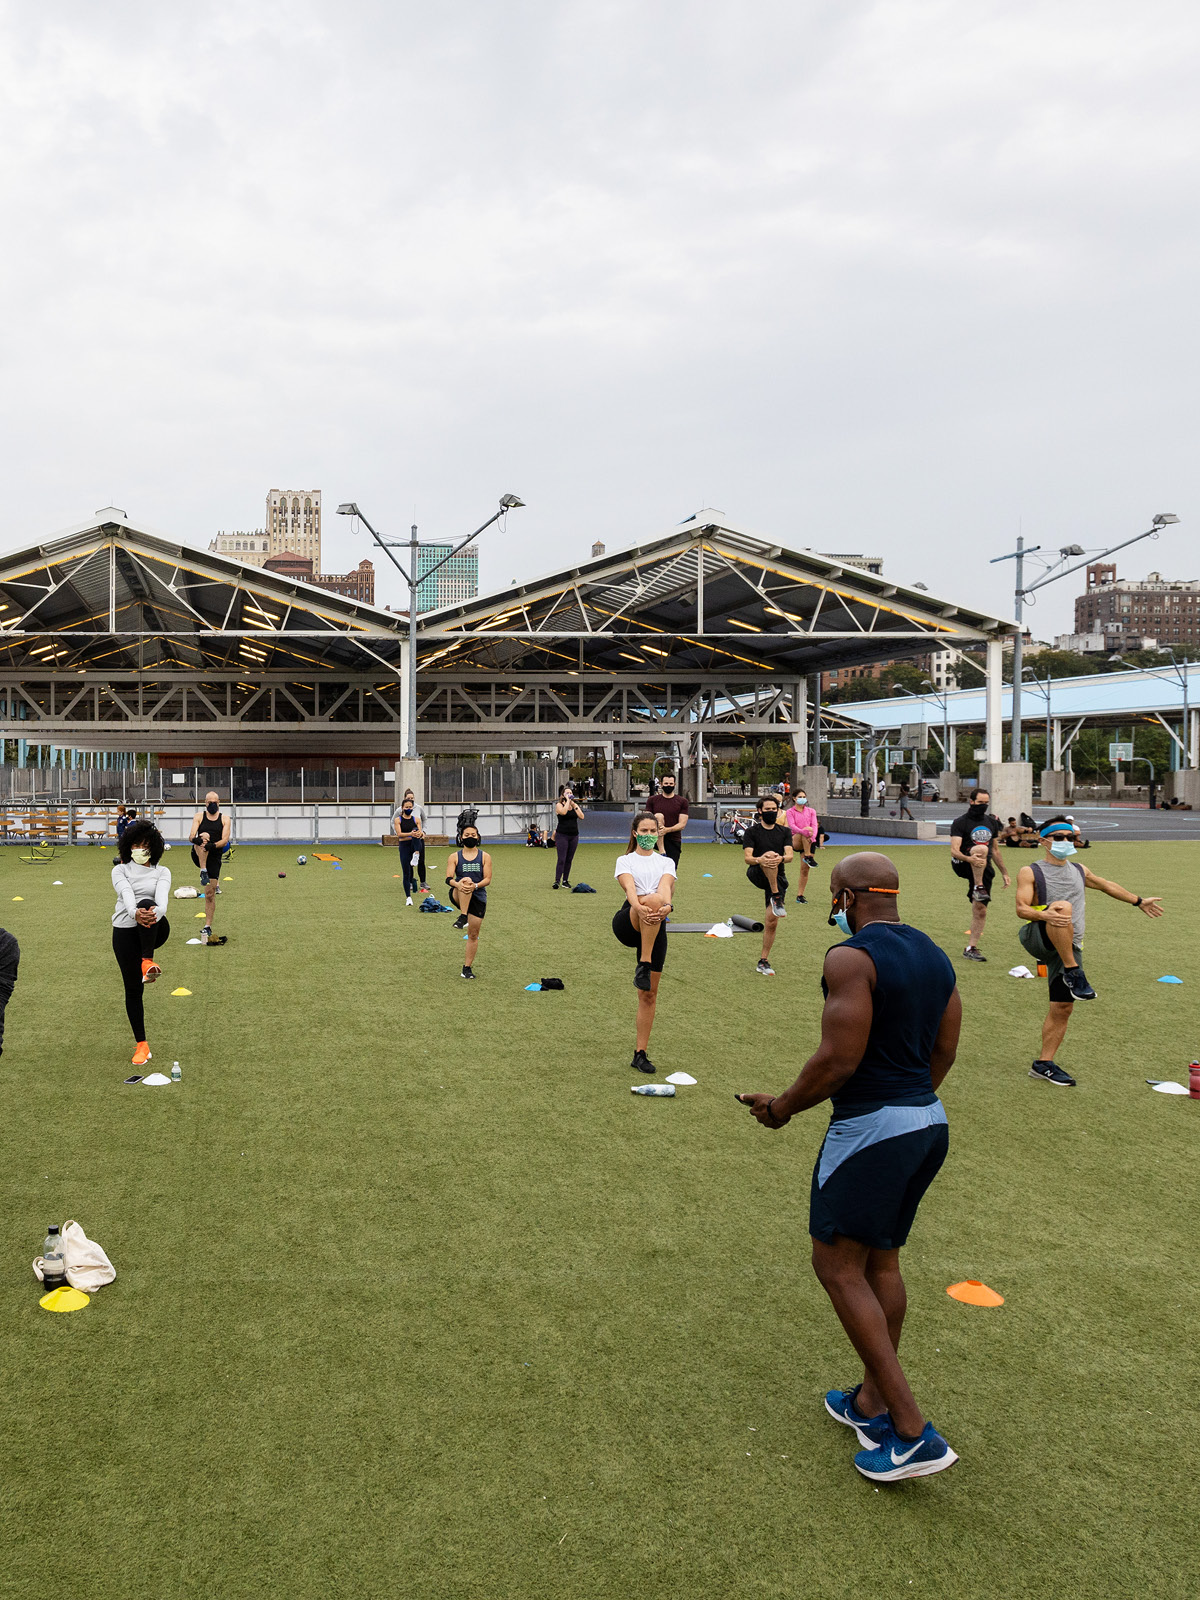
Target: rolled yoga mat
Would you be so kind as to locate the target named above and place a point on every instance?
(747, 924)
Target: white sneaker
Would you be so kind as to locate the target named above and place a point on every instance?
(408, 899)
(778, 908)
(765, 969)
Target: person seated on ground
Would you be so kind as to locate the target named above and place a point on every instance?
(1080, 842)
(535, 839)
(1010, 833)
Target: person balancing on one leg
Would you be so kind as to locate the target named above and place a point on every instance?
(767, 847)
(210, 840)
(889, 1034)
(974, 855)
(468, 873)
(647, 876)
(1051, 903)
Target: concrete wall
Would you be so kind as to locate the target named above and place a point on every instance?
(885, 827)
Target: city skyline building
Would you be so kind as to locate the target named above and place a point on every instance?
(293, 526)
(1163, 611)
(456, 580)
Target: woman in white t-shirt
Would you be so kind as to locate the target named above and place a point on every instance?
(648, 879)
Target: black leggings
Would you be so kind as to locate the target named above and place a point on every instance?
(132, 946)
(566, 844)
(408, 849)
(10, 956)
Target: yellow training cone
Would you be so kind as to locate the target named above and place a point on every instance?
(199, 917)
(64, 1300)
(973, 1293)
(18, 897)
(181, 991)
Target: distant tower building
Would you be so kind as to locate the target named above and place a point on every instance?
(294, 523)
(457, 579)
(598, 548)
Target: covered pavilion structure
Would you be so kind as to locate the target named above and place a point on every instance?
(116, 638)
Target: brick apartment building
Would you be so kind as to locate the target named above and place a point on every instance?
(1156, 610)
(356, 585)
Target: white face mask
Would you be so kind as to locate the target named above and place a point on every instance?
(141, 856)
(1061, 849)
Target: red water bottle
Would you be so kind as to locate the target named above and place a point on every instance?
(1194, 1080)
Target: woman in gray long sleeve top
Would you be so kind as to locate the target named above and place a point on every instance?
(139, 921)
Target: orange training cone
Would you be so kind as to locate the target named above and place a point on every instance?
(973, 1293)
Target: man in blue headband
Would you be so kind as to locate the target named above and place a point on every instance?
(1050, 901)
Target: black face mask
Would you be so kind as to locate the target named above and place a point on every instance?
(213, 809)
(977, 811)
(770, 818)
(469, 843)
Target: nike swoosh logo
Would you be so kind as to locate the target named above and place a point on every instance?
(899, 1460)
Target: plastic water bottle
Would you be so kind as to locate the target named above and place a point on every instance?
(1194, 1080)
(54, 1268)
(652, 1088)
(176, 1075)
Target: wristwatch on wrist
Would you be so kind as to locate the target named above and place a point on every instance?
(1138, 901)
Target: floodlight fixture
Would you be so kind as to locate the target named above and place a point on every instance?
(510, 502)
(1164, 518)
(348, 509)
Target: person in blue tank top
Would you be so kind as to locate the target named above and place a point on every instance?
(889, 1034)
(468, 873)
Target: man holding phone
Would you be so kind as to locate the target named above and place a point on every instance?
(889, 1034)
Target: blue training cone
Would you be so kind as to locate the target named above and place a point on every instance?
(1170, 979)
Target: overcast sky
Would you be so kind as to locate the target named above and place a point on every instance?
(908, 277)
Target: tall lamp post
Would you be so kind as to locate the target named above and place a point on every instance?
(1022, 590)
(508, 502)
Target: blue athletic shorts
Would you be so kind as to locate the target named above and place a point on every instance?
(873, 1171)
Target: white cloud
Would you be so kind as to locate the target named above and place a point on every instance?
(903, 275)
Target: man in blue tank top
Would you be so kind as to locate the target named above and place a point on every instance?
(889, 1034)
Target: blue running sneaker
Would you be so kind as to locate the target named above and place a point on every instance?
(203, 878)
(841, 1407)
(894, 1458)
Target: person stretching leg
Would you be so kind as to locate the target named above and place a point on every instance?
(210, 840)
(1051, 904)
(801, 822)
(468, 873)
(139, 922)
(975, 855)
(648, 878)
(767, 847)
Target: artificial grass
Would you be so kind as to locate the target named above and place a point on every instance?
(414, 1298)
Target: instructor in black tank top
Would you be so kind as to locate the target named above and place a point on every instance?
(889, 1034)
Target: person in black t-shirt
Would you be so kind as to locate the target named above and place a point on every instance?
(767, 846)
(974, 855)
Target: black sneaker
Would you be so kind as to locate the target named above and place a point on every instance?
(800, 900)
(641, 1062)
(460, 922)
(764, 968)
(1075, 980)
(981, 896)
(1049, 1072)
(203, 878)
(466, 973)
(972, 954)
(810, 861)
(566, 883)
(554, 886)
(641, 975)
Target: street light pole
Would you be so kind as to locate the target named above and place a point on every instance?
(1023, 589)
(508, 502)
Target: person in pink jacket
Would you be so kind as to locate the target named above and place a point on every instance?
(802, 820)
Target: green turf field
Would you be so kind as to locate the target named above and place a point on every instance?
(414, 1298)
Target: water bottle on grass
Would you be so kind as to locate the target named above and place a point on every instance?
(54, 1267)
(658, 1089)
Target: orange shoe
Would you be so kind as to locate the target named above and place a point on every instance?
(150, 971)
(142, 1054)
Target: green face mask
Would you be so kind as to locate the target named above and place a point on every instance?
(647, 840)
